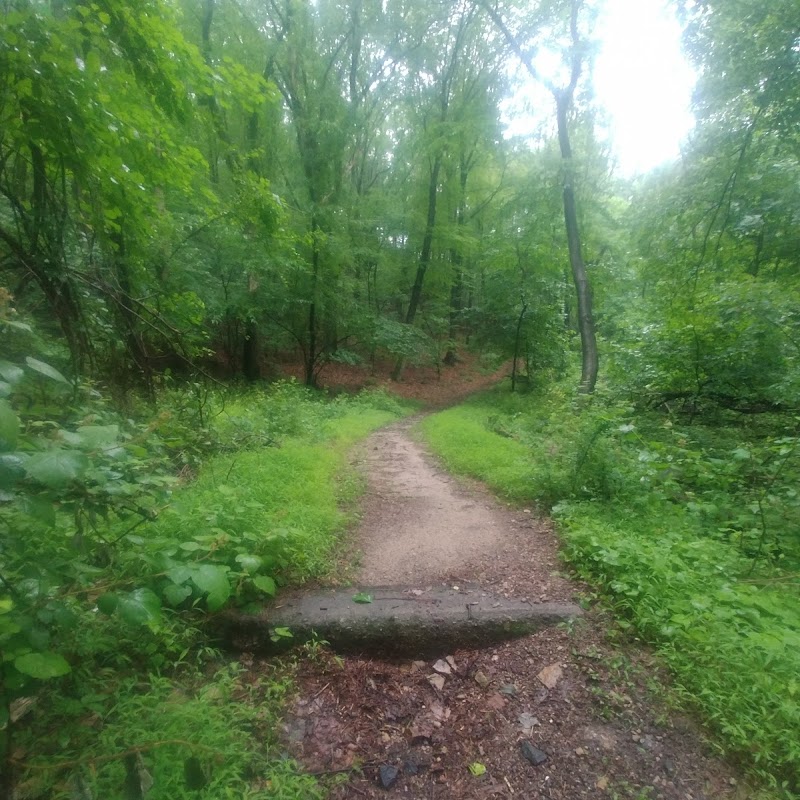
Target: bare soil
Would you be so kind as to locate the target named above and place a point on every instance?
(432, 386)
(581, 695)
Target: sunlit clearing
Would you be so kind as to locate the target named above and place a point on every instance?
(644, 83)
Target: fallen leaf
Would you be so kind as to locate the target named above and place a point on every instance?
(527, 721)
(477, 769)
(496, 702)
(550, 676)
(602, 784)
(437, 681)
(362, 597)
(452, 662)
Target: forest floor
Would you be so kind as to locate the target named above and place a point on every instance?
(581, 699)
(431, 386)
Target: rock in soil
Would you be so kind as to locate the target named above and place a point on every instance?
(533, 754)
(388, 775)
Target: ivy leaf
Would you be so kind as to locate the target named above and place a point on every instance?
(56, 468)
(42, 665)
(140, 607)
(46, 370)
(362, 597)
(213, 580)
(265, 584)
(9, 427)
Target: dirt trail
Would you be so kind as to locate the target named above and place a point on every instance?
(562, 714)
(419, 523)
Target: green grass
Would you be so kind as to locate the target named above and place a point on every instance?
(283, 504)
(661, 520)
(461, 437)
(147, 703)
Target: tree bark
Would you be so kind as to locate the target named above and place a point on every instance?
(424, 257)
(583, 290)
(563, 98)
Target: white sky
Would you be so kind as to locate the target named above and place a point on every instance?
(641, 79)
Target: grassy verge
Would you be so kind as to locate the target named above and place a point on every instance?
(691, 533)
(146, 709)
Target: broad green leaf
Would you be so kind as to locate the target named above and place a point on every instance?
(179, 574)
(213, 580)
(140, 607)
(248, 563)
(265, 584)
(9, 427)
(11, 372)
(46, 370)
(12, 470)
(96, 437)
(107, 603)
(477, 769)
(175, 594)
(42, 665)
(39, 508)
(56, 468)
(362, 597)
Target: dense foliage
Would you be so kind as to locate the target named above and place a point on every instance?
(194, 192)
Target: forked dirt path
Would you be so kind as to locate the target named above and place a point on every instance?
(562, 714)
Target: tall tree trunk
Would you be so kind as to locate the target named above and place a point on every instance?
(311, 351)
(583, 290)
(517, 337)
(563, 98)
(424, 257)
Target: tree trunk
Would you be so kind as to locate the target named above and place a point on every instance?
(583, 291)
(516, 346)
(424, 257)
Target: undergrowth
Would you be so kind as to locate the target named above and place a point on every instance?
(118, 534)
(690, 528)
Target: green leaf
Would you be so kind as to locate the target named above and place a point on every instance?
(265, 584)
(107, 603)
(56, 468)
(11, 372)
(96, 437)
(9, 427)
(40, 508)
(42, 665)
(12, 470)
(175, 594)
(46, 370)
(213, 580)
(477, 769)
(362, 597)
(248, 563)
(140, 607)
(276, 634)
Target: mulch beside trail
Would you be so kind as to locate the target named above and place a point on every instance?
(580, 696)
